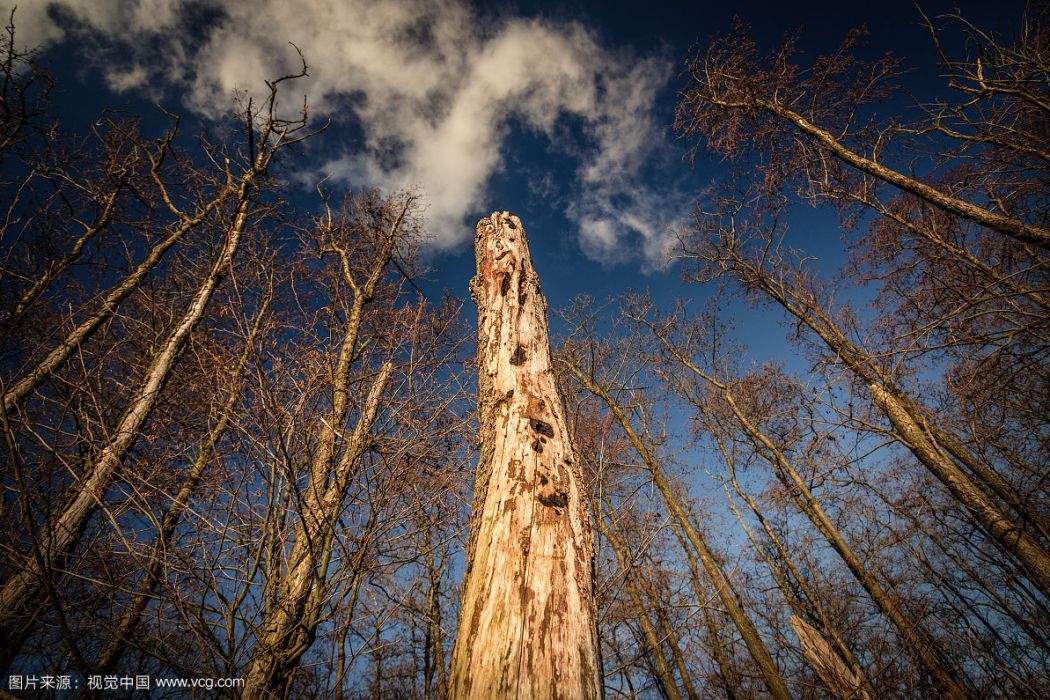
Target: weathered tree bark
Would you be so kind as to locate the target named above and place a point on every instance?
(527, 619)
(839, 679)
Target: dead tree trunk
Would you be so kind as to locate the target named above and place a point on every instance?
(527, 619)
(843, 683)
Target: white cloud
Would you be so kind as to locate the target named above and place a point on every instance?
(433, 85)
(134, 77)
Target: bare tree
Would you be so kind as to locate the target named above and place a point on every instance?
(736, 98)
(24, 89)
(958, 287)
(591, 379)
(361, 246)
(154, 566)
(33, 576)
(725, 389)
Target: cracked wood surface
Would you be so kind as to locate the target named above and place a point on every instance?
(527, 619)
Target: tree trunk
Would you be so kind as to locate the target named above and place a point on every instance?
(154, 569)
(55, 359)
(22, 589)
(670, 636)
(727, 675)
(1014, 228)
(916, 431)
(921, 648)
(298, 596)
(808, 604)
(752, 640)
(843, 683)
(527, 620)
(435, 671)
(631, 577)
(290, 626)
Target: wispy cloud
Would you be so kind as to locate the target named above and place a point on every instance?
(432, 85)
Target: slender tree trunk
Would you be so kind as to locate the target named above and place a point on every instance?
(527, 625)
(20, 310)
(1014, 228)
(664, 674)
(349, 605)
(920, 648)
(36, 375)
(670, 636)
(923, 443)
(154, 569)
(659, 607)
(24, 587)
(726, 673)
(297, 598)
(936, 450)
(291, 625)
(758, 649)
(435, 676)
(811, 606)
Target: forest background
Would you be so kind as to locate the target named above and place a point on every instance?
(798, 288)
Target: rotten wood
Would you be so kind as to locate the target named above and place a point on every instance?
(527, 619)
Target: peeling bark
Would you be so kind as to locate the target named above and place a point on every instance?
(527, 619)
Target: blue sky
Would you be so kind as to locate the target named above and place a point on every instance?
(557, 111)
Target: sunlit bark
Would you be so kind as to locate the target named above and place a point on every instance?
(527, 618)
